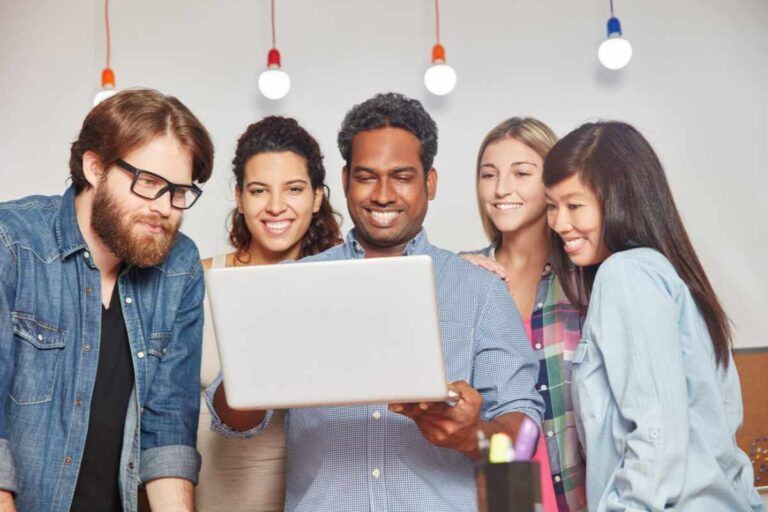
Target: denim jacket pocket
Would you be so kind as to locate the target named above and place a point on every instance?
(158, 344)
(38, 351)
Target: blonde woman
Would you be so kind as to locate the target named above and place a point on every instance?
(512, 205)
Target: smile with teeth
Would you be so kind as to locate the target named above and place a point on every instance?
(277, 227)
(507, 206)
(574, 244)
(384, 218)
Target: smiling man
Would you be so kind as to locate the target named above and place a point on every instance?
(101, 318)
(405, 457)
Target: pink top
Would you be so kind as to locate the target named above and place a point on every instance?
(548, 500)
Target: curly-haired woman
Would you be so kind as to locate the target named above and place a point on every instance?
(283, 213)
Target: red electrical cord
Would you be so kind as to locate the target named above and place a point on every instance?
(273, 22)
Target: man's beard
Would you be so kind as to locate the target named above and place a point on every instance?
(115, 228)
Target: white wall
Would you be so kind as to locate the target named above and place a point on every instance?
(696, 88)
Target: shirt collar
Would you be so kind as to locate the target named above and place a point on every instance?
(418, 245)
(68, 235)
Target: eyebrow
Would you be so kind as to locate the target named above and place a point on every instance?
(291, 182)
(566, 196)
(513, 164)
(394, 170)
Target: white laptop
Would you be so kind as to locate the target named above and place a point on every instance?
(328, 333)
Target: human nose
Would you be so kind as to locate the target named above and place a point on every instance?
(276, 204)
(384, 192)
(504, 186)
(162, 204)
(559, 220)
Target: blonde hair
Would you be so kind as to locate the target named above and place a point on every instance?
(531, 132)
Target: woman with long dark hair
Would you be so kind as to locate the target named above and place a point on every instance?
(656, 395)
(283, 213)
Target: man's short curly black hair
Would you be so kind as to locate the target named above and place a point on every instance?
(390, 110)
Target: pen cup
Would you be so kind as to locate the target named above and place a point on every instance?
(509, 487)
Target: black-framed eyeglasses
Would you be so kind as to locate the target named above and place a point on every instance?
(149, 185)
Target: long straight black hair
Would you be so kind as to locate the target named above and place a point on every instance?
(621, 168)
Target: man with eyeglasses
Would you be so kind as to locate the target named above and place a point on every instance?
(101, 318)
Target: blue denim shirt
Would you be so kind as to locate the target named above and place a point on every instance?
(364, 457)
(50, 321)
(656, 416)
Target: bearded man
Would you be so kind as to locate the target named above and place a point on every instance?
(101, 318)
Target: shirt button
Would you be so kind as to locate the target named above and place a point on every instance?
(655, 434)
(86, 347)
(67, 460)
(537, 346)
(130, 465)
(140, 354)
(539, 305)
(376, 415)
(78, 402)
(550, 434)
(86, 255)
(376, 473)
(128, 300)
(88, 290)
(39, 337)
(543, 387)
(165, 350)
(557, 478)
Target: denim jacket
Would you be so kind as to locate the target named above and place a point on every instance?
(50, 322)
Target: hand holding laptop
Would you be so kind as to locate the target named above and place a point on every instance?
(448, 425)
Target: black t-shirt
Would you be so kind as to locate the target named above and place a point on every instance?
(97, 484)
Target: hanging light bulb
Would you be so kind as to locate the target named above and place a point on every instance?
(107, 75)
(274, 83)
(107, 86)
(440, 78)
(615, 52)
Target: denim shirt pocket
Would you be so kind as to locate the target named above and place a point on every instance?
(157, 347)
(38, 352)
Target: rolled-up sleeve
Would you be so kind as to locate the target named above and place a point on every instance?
(633, 322)
(172, 405)
(222, 428)
(505, 368)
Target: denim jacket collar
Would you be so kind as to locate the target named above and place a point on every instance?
(68, 234)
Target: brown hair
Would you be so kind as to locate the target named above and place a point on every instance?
(275, 134)
(132, 118)
(620, 166)
(531, 132)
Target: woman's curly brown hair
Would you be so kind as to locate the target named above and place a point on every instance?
(275, 134)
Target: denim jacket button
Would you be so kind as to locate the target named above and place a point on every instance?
(128, 300)
(67, 460)
(86, 347)
(140, 355)
(130, 465)
(78, 402)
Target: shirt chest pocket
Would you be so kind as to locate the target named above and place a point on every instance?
(38, 348)
(589, 385)
(156, 349)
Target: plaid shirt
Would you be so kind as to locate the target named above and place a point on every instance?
(556, 331)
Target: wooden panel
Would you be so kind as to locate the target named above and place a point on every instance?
(753, 436)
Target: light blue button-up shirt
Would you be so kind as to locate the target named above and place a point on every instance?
(656, 416)
(364, 458)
